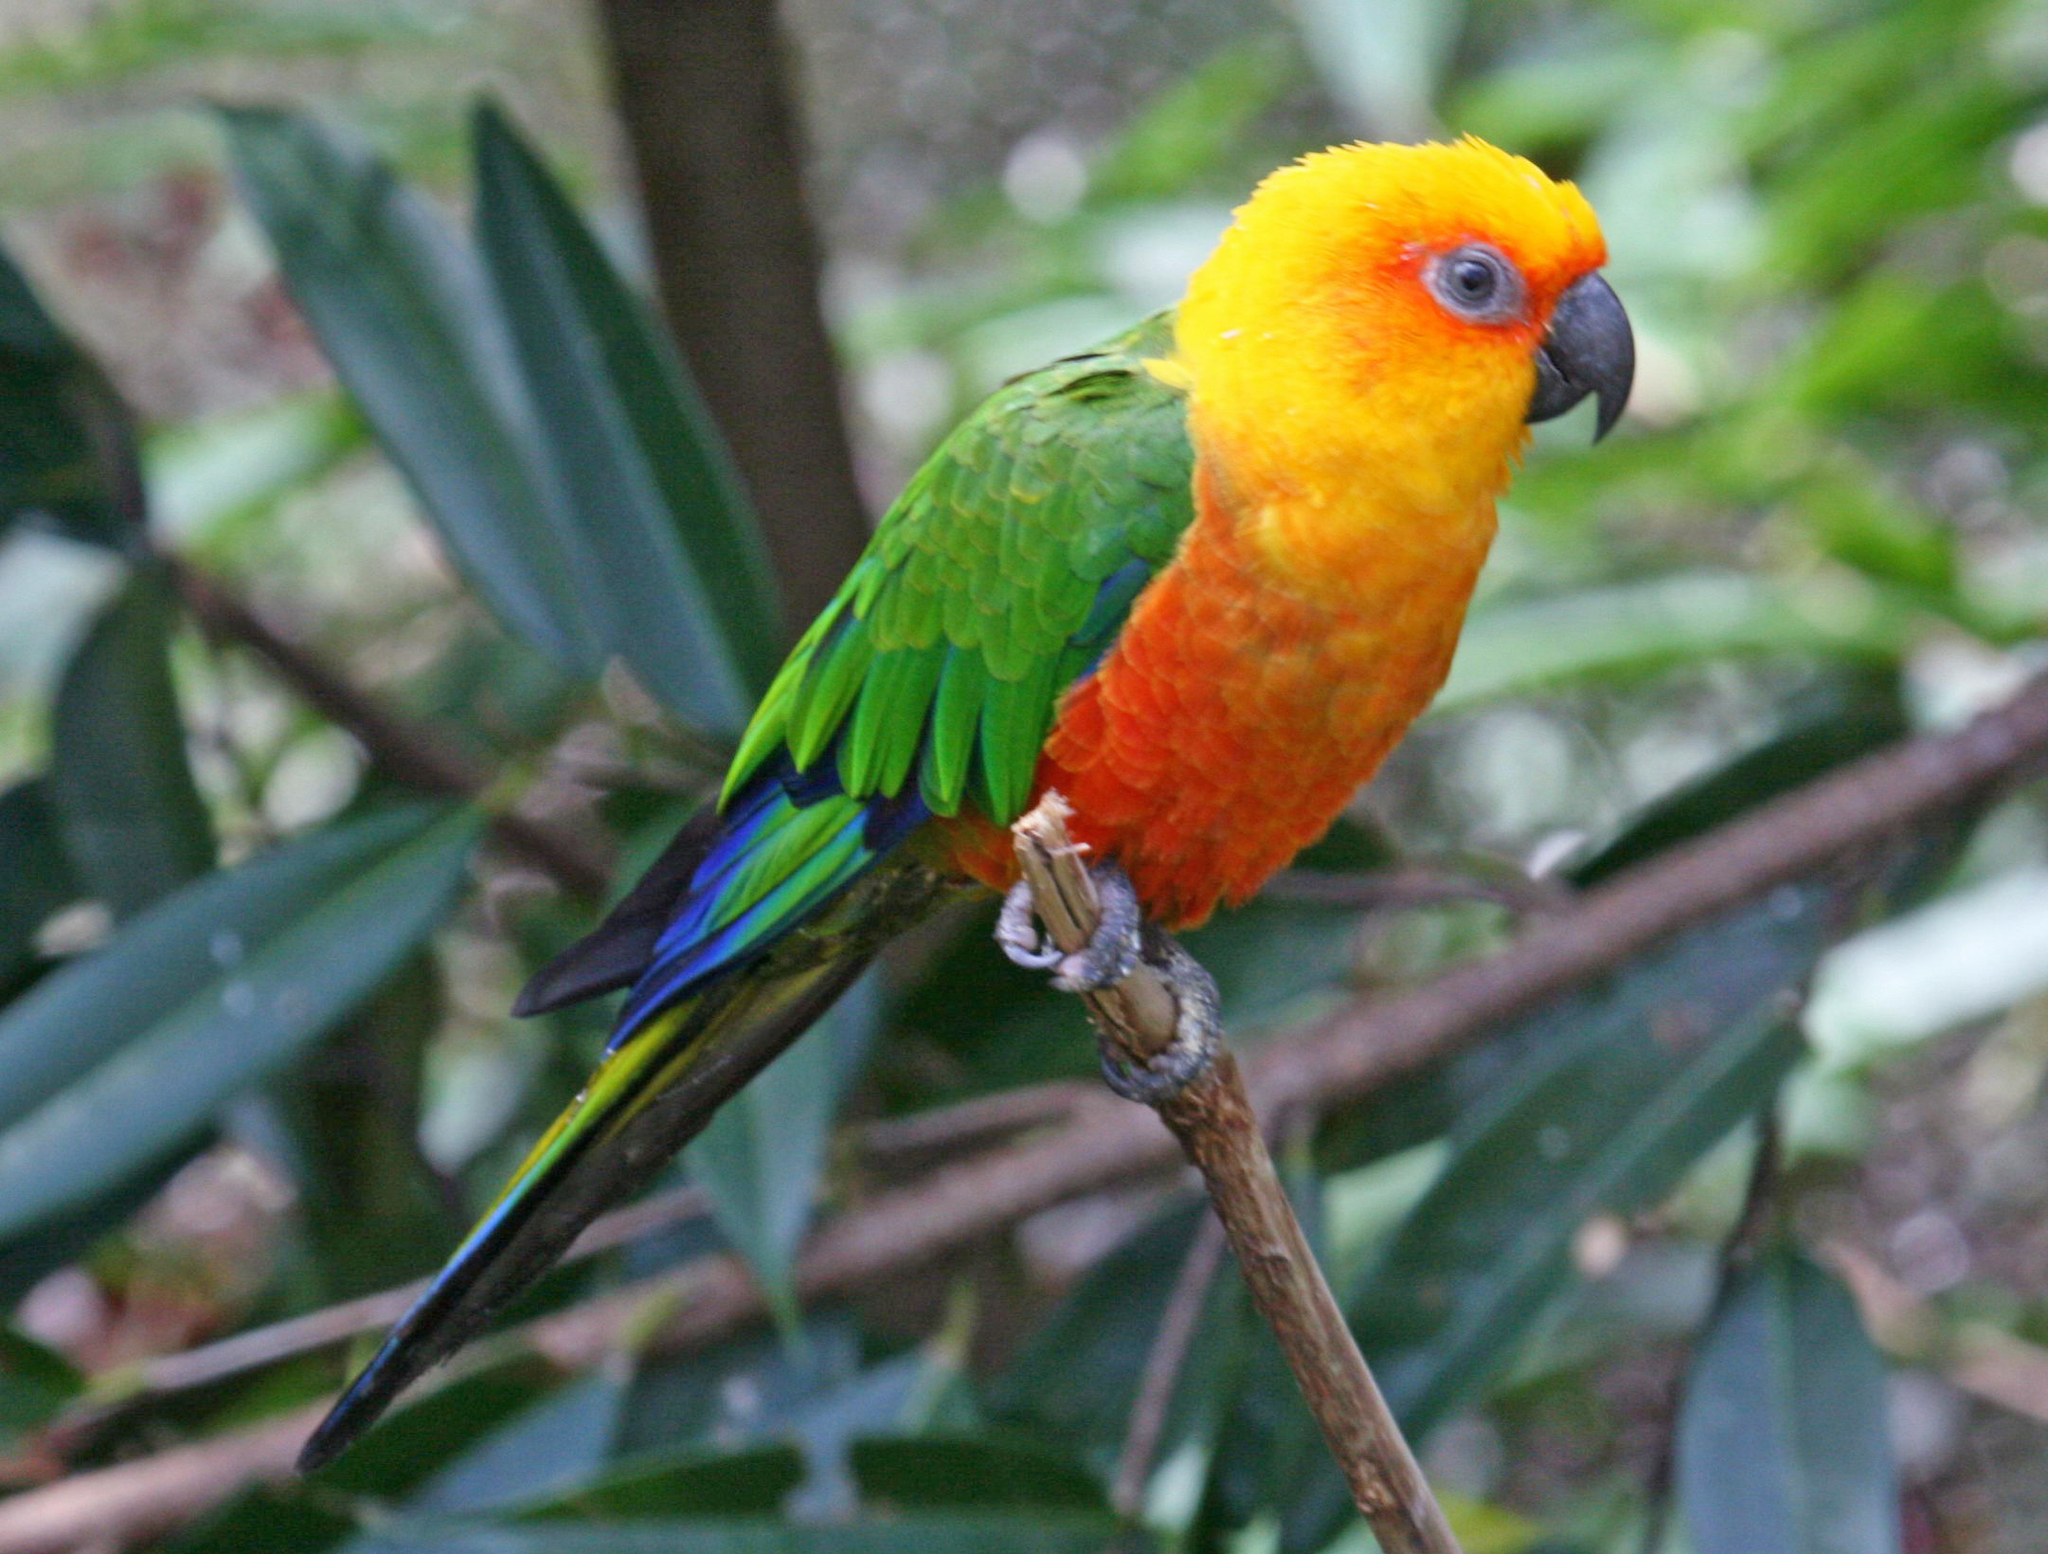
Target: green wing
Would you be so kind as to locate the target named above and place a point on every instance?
(998, 578)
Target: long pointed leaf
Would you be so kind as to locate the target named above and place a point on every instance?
(64, 434)
(1605, 1113)
(762, 1155)
(39, 878)
(679, 579)
(132, 819)
(400, 310)
(113, 1063)
(1783, 1445)
(1609, 1098)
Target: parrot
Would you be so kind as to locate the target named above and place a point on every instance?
(1198, 579)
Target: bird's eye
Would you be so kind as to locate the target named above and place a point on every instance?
(1476, 282)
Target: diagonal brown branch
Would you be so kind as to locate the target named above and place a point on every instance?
(1213, 1120)
(1104, 1142)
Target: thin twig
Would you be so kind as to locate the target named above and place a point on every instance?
(921, 1137)
(1164, 1362)
(409, 751)
(1361, 1048)
(1417, 884)
(371, 1313)
(124, 1504)
(1213, 1120)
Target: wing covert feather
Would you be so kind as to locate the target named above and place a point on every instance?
(1000, 575)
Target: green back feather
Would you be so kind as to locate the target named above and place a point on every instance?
(1001, 573)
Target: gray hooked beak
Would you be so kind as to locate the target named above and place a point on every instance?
(1590, 350)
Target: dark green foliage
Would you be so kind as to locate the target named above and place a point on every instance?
(399, 308)
(373, 1215)
(1075, 1381)
(64, 453)
(1782, 1446)
(131, 817)
(125, 1055)
(40, 876)
(676, 572)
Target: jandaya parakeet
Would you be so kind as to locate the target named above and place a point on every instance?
(1199, 579)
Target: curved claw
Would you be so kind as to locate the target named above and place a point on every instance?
(1017, 932)
(1110, 953)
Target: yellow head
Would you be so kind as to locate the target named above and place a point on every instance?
(1366, 337)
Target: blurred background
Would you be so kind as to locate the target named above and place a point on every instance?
(326, 713)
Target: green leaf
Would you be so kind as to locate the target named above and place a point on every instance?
(65, 437)
(677, 579)
(402, 312)
(1839, 724)
(563, 1439)
(35, 1383)
(814, 1392)
(419, 1440)
(1045, 1531)
(1075, 1379)
(132, 818)
(689, 1483)
(1605, 1100)
(763, 1153)
(746, 1391)
(38, 881)
(1623, 1089)
(1782, 1444)
(1633, 627)
(369, 1207)
(1968, 955)
(1829, 724)
(113, 1063)
(275, 1520)
(940, 1472)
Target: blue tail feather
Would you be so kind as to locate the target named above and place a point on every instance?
(716, 927)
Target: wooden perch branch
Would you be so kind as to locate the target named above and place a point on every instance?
(1103, 1143)
(1213, 1120)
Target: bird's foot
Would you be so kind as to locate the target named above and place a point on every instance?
(1121, 940)
(1110, 954)
(1197, 1030)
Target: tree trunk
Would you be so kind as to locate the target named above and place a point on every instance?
(701, 92)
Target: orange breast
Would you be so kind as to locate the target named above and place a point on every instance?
(1234, 717)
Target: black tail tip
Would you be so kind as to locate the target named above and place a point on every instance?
(334, 1435)
(320, 1449)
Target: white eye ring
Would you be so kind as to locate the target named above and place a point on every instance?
(1477, 282)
